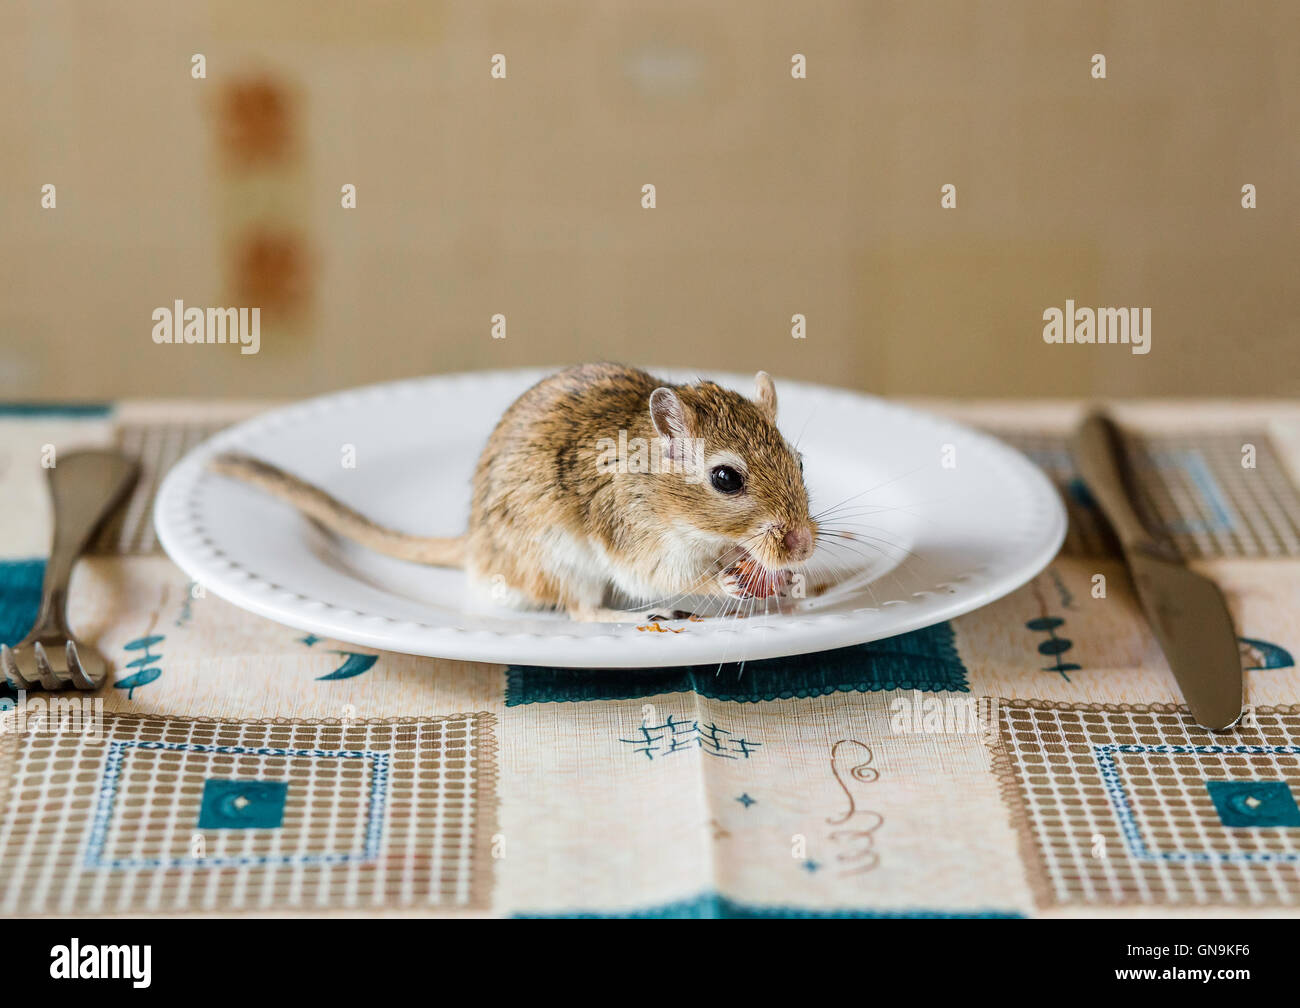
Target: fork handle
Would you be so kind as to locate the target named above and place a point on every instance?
(85, 487)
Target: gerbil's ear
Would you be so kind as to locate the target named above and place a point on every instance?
(668, 415)
(766, 394)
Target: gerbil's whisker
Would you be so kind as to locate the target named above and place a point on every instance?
(861, 511)
(878, 544)
(857, 537)
(804, 429)
(839, 510)
(879, 485)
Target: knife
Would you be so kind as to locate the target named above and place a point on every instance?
(1186, 610)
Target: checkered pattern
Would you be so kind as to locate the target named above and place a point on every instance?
(1193, 488)
(1113, 808)
(377, 813)
(157, 447)
(1213, 506)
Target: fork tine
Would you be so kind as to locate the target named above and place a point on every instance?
(48, 678)
(10, 664)
(79, 678)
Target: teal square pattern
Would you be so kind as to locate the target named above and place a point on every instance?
(1245, 804)
(242, 804)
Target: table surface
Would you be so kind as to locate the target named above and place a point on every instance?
(1029, 759)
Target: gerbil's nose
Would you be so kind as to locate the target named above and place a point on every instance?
(799, 543)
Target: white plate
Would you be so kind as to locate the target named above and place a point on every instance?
(962, 520)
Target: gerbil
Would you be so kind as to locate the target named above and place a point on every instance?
(610, 495)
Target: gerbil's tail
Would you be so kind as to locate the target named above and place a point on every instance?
(337, 516)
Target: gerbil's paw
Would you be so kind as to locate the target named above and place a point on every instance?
(651, 615)
(730, 583)
(666, 614)
(746, 579)
(602, 615)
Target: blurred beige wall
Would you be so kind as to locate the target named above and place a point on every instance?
(775, 196)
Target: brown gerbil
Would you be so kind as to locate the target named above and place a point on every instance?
(610, 495)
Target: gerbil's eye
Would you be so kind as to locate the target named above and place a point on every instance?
(726, 480)
(800, 458)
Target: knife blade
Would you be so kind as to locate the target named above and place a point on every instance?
(1187, 612)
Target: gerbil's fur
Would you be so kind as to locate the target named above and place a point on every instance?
(557, 523)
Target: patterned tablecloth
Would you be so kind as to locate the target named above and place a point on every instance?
(1029, 759)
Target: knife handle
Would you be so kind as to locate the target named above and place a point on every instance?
(1102, 461)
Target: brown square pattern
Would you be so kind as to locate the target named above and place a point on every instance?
(1193, 490)
(1111, 806)
(393, 813)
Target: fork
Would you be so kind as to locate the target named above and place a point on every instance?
(85, 487)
